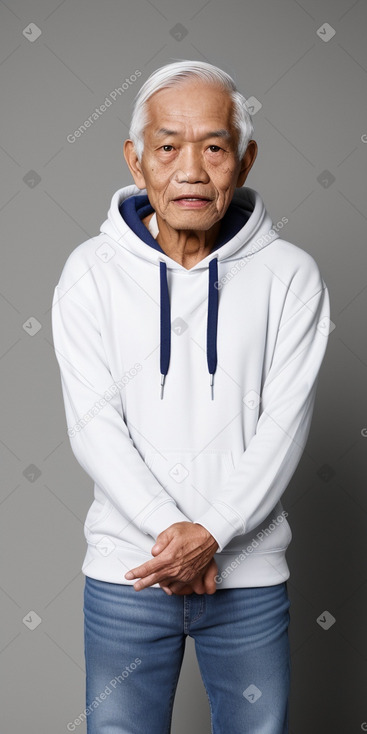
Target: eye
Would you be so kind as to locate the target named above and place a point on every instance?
(167, 146)
(215, 146)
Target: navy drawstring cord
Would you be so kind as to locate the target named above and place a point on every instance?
(165, 324)
(212, 325)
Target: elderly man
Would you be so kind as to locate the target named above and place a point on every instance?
(189, 337)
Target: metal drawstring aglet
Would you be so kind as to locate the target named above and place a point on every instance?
(162, 385)
(212, 385)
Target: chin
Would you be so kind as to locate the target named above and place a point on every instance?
(193, 223)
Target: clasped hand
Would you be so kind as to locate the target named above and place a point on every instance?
(183, 561)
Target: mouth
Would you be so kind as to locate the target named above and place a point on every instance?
(187, 197)
(191, 202)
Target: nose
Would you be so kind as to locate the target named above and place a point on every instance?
(191, 168)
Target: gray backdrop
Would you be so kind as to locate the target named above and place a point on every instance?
(305, 65)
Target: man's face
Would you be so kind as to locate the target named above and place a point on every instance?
(189, 160)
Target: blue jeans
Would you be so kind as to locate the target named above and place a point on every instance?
(134, 646)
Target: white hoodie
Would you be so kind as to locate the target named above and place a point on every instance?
(238, 341)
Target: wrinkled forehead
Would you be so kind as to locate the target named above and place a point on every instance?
(189, 108)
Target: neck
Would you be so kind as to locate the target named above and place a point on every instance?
(186, 246)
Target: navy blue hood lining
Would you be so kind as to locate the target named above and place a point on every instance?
(133, 210)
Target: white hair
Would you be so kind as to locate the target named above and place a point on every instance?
(171, 75)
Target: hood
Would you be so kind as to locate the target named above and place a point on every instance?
(245, 229)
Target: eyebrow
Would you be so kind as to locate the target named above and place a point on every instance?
(222, 133)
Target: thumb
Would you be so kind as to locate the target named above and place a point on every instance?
(160, 544)
(198, 585)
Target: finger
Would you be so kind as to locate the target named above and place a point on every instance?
(172, 585)
(149, 567)
(179, 589)
(176, 586)
(147, 581)
(210, 586)
(184, 592)
(198, 585)
(160, 544)
(209, 578)
(141, 571)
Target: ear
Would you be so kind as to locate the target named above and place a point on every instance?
(133, 162)
(247, 162)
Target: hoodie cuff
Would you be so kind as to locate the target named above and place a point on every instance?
(161, 518)
(222, 523)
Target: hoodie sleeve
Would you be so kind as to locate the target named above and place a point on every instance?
(102, 445)
(287, 401)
